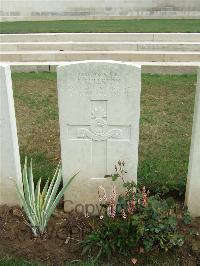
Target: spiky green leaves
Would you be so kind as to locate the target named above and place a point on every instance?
(39, 205)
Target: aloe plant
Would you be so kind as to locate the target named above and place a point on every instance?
(39, 205)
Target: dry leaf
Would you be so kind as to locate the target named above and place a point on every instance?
(141, 250)
(67, 240)
(134, 260)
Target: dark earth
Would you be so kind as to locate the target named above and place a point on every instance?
(61, 243)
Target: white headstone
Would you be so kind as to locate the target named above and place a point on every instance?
(193, 182)
(99, 109)
(10, 171)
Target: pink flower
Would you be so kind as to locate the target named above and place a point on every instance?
(123, 214)
(132, 204)
(102, 194)
(111, 204)
(144, 197)
(111, 211)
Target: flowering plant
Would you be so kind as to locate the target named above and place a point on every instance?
(132, 221)
(127, 203)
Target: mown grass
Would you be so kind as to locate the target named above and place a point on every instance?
(20, 262)
(166, 121)
(171, 258)
(167, 103)
(134, 25)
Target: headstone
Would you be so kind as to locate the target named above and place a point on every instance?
(193, 183)
(10, 172)
(99, 110)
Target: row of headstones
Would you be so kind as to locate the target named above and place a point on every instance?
(99, 112)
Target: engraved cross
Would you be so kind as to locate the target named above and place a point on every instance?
(99, 132)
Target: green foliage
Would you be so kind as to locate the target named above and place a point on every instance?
(133, 222)
(9, 261)
(176, 187)
(40, 204)
(186, 217)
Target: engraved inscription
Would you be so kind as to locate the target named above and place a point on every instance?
(99, 78)
(99, 90)
(94, 83)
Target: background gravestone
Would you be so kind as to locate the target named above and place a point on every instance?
(10, 171)
(193, 183)
(99, 109)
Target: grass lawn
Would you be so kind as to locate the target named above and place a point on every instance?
(166, 122)
(163, 258)
(17, 262)
(135, 25)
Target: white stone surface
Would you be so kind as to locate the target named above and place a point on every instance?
(97, 8)
(149, 47)
(100, 46)
(152, 56)
(99, 109)
(101, 37)
(10, 172)
(193, 183)
(147, 67)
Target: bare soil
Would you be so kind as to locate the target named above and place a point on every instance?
(61, 243)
